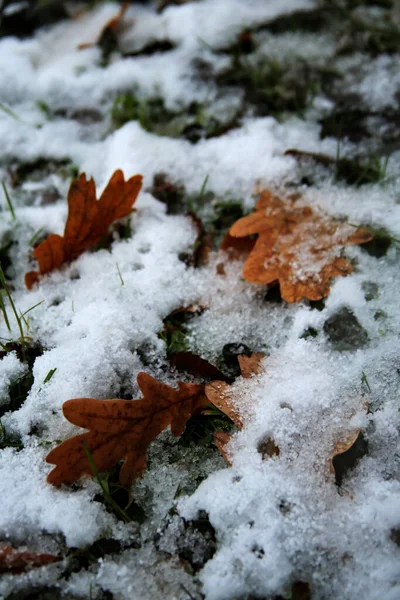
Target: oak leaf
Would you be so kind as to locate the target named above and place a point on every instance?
(122, 429)
(17, 560)
(297, 246)
(88, 221)
(220, 394)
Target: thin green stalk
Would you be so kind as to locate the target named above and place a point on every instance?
(35, 236)
(4, 347)
(9, 112)
(120, 276)
(7, 195)
(203, 188)
(31, 308)
(337, 156)
(364, 379)
(106, 492)
(4, 311)
(384, 168)
(4, 284)
(50, 375)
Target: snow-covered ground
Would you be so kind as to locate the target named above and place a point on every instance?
(276, 520)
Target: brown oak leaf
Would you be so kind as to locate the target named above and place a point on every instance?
(17, 560)
(88, 221)
(297, 246)
(122, 429)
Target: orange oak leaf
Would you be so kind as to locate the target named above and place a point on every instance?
(88, 221)
(18, 560)
(297, 246)
(122, 429)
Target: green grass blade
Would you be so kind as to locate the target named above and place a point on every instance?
(9, 112)
(9, 203)
(106, 493)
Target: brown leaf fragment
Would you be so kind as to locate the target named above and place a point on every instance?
(267, 448)
(342, 446)
(221, 440)
(88, 221)
(202, 247)
(220, 393)
(251, 365)
(195, 365)
(346, 454)
(122, 429)
(297, 246)
(18, 560)
(301, 591)
(236, 247)
(110, 28)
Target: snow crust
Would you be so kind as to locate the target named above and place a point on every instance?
(277, 520)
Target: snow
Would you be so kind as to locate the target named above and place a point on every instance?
(277, 520)
(11, 370)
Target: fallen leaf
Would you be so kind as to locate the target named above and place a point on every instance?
(237, 246)
(220, 393)
(197, 366)
(164, 3)
(88, 221)
(297, 246)
(301, 591)
(18, 560)
(250, 365)
(346, 453)
(122, 429)
(202, 246)
(267, 448)
(221, 440)
(109, 30)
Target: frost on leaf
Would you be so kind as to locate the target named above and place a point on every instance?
(88, 221)
(296, 246)
(122, 429)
